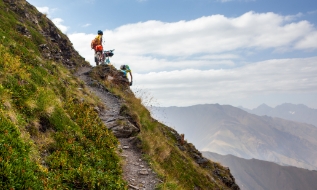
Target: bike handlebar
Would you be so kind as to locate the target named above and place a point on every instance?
(110, 50)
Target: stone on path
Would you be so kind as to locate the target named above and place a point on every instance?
(143, 172)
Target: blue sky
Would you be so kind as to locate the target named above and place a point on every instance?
(112, 14)
(186, 52)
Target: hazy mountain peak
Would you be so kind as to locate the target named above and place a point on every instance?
(263, 106)
(293, 112)
(229, 130)
(260, 175)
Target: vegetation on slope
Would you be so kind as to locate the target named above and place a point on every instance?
(50, 135)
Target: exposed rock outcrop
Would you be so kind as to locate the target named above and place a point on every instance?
(121, 127)
(115, 119)
(57, 45)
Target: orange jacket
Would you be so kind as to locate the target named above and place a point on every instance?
(96, 41)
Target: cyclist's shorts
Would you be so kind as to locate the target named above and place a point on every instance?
(98, 48)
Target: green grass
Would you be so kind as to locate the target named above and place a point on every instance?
(17, 171)
(50, 135)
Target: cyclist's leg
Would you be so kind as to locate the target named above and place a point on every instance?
(102, 58)
(97, 58)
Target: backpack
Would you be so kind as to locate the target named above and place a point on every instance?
(95, 42)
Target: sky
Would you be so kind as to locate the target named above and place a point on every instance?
(187, 52)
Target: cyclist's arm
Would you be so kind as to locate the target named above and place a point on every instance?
(131, 75)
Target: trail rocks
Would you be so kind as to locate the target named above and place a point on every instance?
(136, 171)
(121, 127)
(125, 130)
(108, 72)
(143, 172)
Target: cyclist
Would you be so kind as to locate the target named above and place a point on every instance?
(126, 69)
(96, 44)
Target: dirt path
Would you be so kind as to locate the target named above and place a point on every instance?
(136, 170)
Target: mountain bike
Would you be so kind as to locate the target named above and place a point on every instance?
(102, 57)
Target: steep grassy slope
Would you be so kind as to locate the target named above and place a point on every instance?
(51, 137)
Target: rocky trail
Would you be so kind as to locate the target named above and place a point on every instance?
(136, 170)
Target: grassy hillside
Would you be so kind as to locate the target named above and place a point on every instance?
(51, 137)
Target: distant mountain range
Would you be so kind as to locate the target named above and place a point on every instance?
(226, 129)
(262, 175)
(300, 113)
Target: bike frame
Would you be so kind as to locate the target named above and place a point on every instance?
(103, 57)
(107, 54)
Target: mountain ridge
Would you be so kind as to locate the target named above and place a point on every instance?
(257, 174)
(229, 130)
(294, 112)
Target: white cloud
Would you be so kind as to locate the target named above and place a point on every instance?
(86, 25)
(154, 42)
(220, 56)
(44, 10)
(180, 63)
(211, 34)
(293, 17)
(312, 12)
(58, 22)
(309, 42)
(81, 42)
(190, 86)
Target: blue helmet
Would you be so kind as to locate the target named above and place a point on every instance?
(100, 32)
